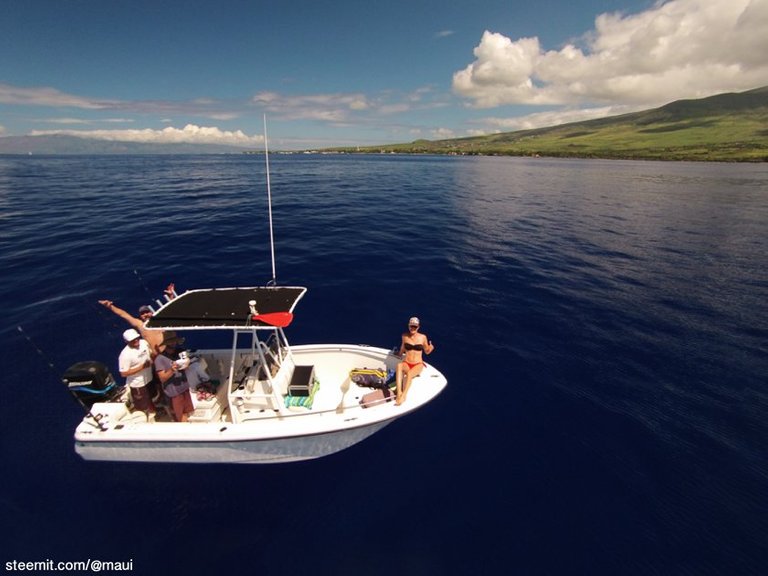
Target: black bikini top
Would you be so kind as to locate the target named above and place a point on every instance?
(409, 346)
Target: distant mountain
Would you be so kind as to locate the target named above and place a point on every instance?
(725, 127)
(59, 144)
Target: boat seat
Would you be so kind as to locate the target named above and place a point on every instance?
(110, 411)
(209, 409)
(113, 413)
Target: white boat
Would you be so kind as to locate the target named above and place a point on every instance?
(255, 415)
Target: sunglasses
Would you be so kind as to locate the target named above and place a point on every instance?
(413, 327)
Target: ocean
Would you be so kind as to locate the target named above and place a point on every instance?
(603, 326)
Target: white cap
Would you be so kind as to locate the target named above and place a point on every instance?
(414, 321)
(130, 335)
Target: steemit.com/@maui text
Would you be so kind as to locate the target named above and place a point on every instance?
(76, 566)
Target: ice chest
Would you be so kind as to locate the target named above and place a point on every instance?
(302, 380)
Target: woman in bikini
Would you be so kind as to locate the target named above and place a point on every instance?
(411, 349)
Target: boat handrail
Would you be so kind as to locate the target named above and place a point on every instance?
(354, 408)
(312, 412)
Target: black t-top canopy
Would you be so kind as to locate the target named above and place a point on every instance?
(225, 308)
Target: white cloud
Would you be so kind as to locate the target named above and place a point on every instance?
(475, 132)
(67, 121)
(444, 33)
(443, 133)
(223, 116)
(324, 107)
(554, 118)
(387, 109)
(420, 94)
(46, 97)
(51, 97)
(346, 108)
(677, 49)
(190, 134)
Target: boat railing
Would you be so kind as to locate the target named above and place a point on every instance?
(352, 410)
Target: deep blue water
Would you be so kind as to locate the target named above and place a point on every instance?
(603, 327)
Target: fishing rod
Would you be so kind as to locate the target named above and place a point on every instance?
(110, 319)
(141, 281)
(95, 417)
(169, 292)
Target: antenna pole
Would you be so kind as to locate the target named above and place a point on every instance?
(269, 201)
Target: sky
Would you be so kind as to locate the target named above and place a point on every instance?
(357, 73)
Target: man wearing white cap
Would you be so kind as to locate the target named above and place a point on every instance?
(153, 337)
(136, 367)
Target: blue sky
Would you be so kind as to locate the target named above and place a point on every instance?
(342, 72)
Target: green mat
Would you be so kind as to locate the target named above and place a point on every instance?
(304, 401)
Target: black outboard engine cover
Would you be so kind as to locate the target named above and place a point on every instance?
(91, 382)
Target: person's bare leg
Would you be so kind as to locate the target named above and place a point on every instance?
(412, 373)
(399, 383)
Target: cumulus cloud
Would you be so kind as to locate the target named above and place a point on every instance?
(190, 134)
(677, 49)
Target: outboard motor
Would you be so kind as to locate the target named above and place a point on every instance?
(91, 382)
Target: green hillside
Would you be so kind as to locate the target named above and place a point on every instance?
(726, 127)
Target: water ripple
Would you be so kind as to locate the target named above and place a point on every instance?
(602, 324)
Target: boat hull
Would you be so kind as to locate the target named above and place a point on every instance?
(254, 451)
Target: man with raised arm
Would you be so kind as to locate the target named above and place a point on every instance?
(153, 337)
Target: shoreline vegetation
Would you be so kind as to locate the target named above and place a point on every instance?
(721, 128)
